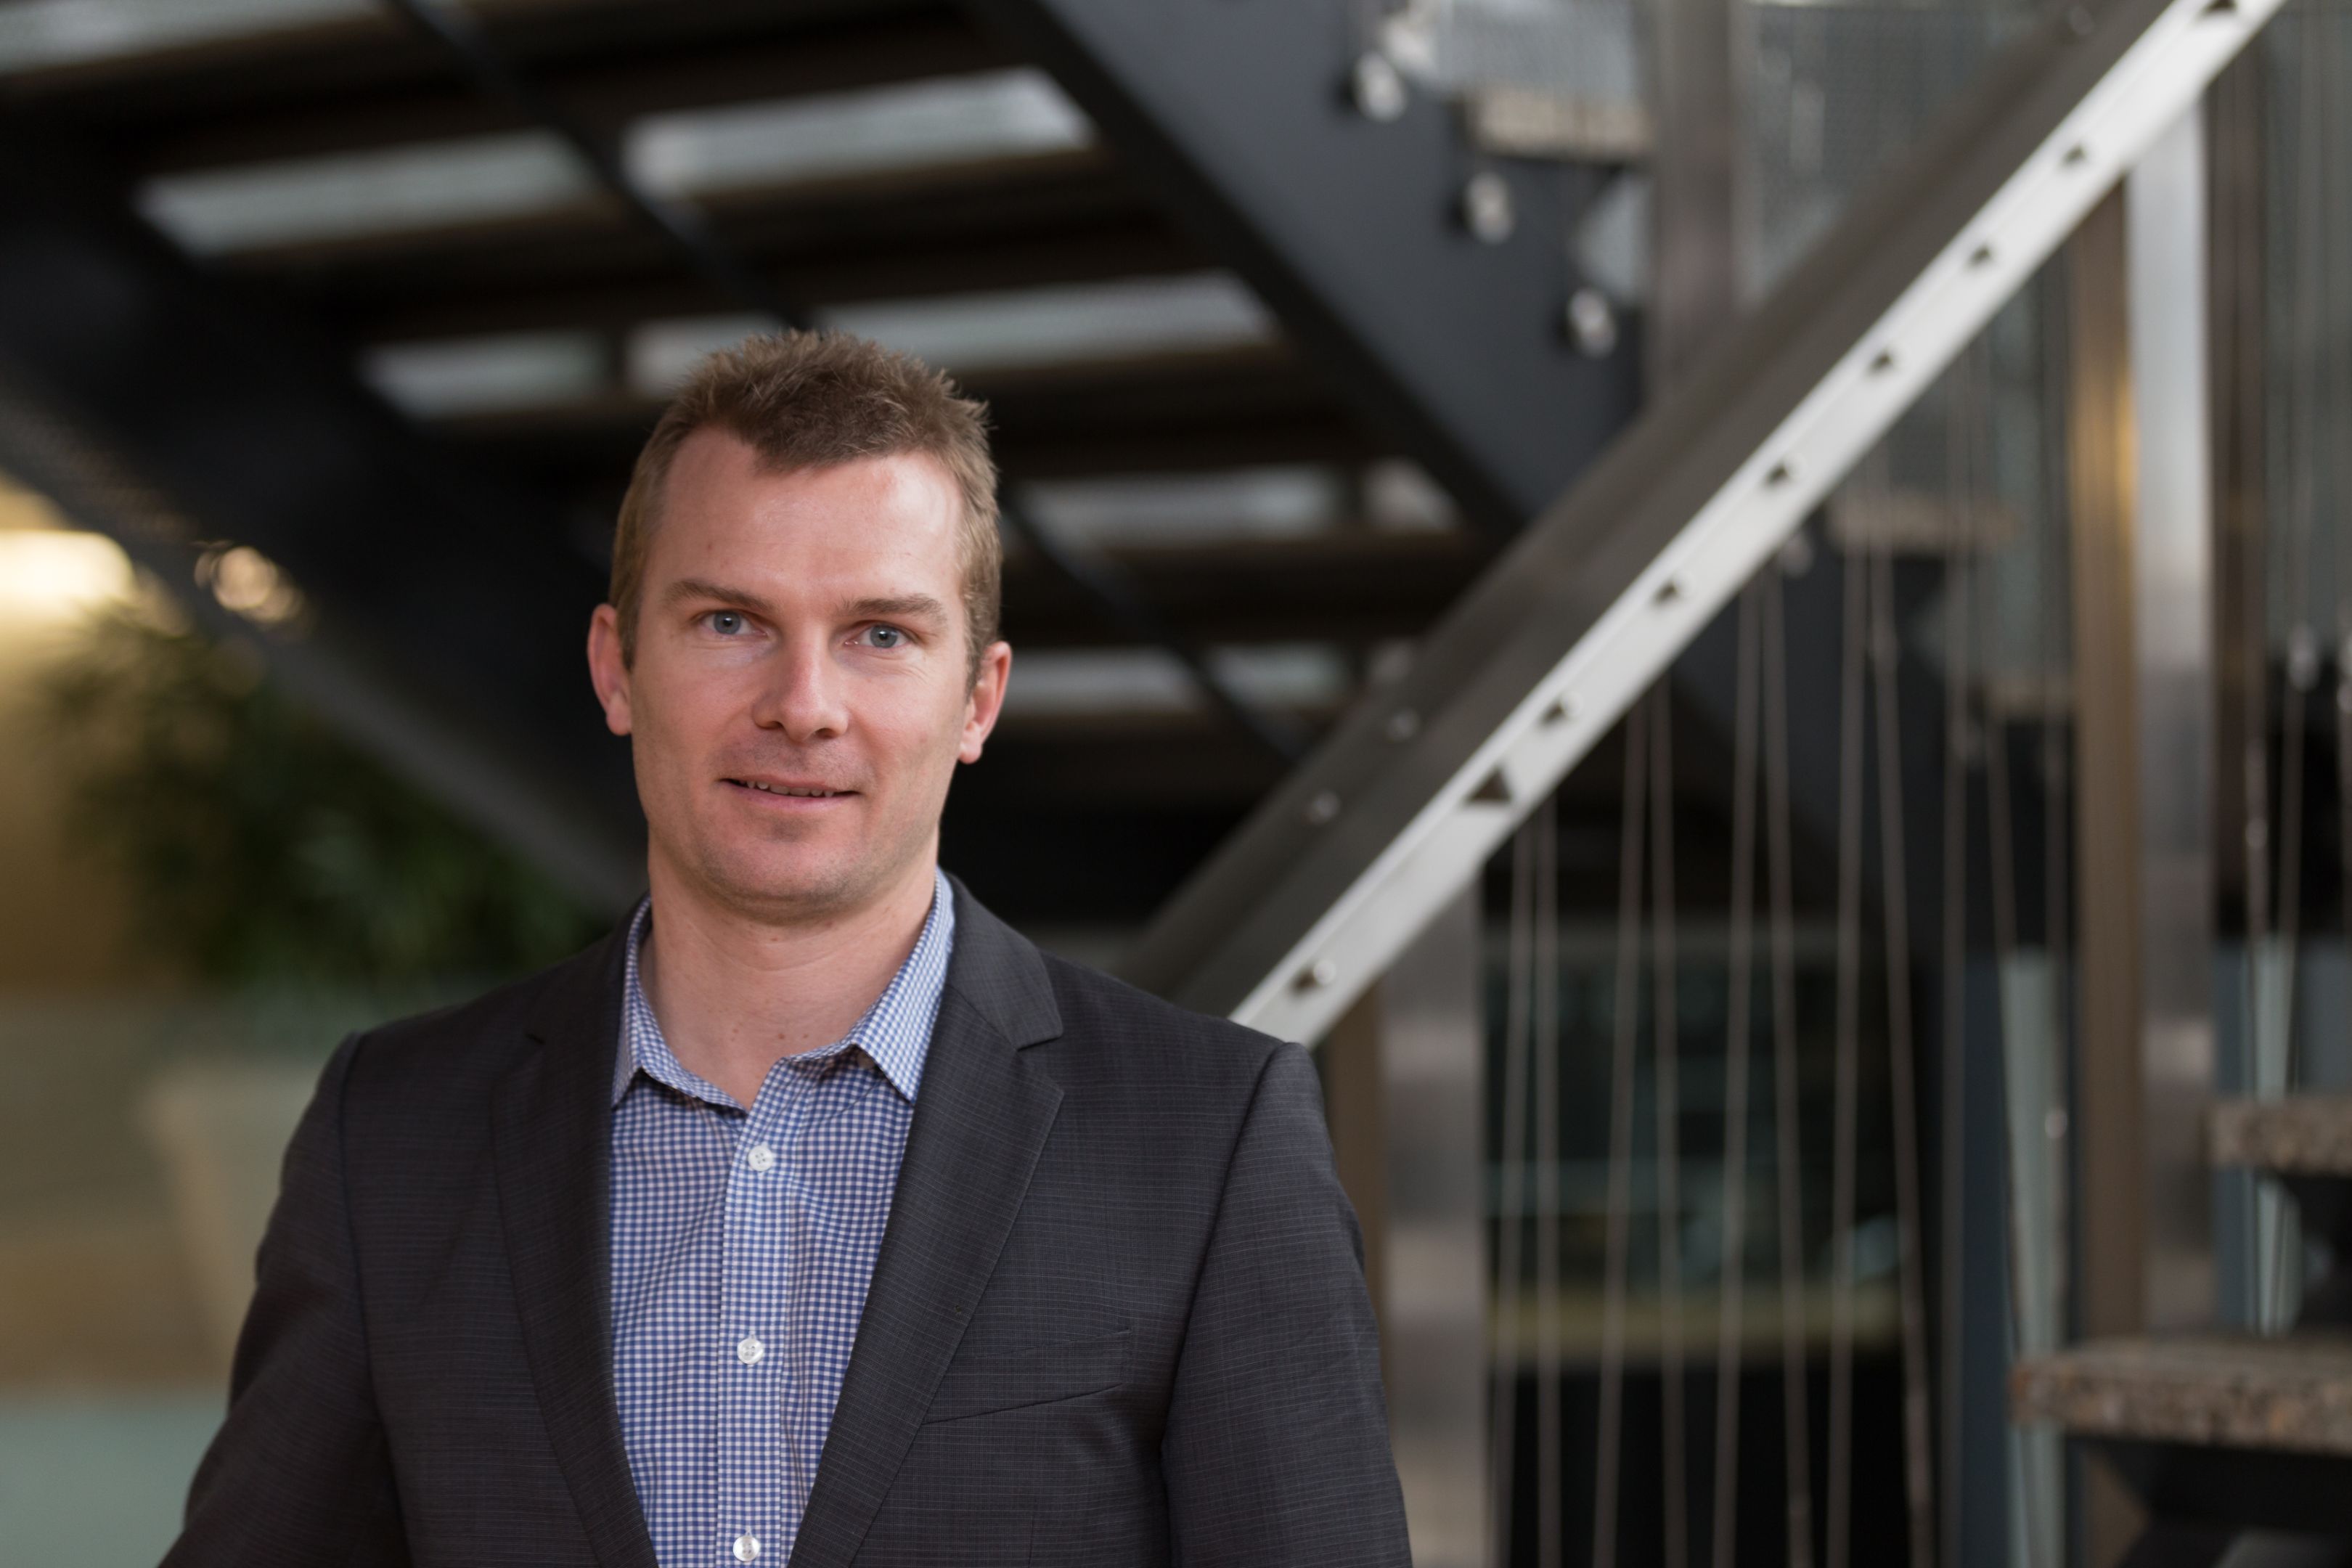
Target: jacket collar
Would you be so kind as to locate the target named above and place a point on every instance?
(985, 1111)
(982, 1118)
(551, 1130)
(895, 1033)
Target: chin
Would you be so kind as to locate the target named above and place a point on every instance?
(775, 880)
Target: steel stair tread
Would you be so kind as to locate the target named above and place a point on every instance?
(2290, 1394)
(2301, 1134)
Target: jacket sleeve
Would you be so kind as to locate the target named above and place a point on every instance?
(300, 1473)
(1276, 1447)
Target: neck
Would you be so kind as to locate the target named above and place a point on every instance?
(736, 996)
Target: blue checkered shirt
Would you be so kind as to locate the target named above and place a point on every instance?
(742, 1246)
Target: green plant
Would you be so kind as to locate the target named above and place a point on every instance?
(264, 847)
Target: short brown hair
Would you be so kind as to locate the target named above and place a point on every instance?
(807, 400)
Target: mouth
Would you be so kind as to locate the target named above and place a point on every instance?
(783, 791)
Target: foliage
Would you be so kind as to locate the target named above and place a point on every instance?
(264, 847)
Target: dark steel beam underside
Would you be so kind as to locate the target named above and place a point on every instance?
(1354, 587)
(1167, 414)
(685, 228)
(366, 81)
(1236, 114)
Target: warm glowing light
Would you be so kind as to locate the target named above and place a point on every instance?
(251, 584)
(58, 576)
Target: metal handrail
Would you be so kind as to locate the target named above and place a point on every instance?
(1309, 902)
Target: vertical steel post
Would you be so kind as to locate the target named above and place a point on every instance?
(1696, 96)
(2101, 481)
(2140, 454)
(1403, 1076)
(2173, 649)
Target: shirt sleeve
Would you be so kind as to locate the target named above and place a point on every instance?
(299, 1472)
(1276, 1447)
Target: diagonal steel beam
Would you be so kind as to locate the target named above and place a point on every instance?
(1399, 810)
(1352, 227)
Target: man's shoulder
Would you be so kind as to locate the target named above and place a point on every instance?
(1115, 1029)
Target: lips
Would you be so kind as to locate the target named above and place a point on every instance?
(791, 791)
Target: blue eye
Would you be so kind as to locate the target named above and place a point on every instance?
(725, 623)
(885, 636)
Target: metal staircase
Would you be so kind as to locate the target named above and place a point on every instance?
(2221, 1434)
(1424, 779)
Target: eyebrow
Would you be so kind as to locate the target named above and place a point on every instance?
(687, 588)
(901, 606)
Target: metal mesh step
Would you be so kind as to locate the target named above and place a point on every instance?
(2302, 1135)
(2287, 1395)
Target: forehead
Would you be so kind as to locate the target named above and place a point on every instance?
(887, 525)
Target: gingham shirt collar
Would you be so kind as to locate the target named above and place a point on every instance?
(895, 1033)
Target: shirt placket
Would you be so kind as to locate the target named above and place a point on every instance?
(754, 1378)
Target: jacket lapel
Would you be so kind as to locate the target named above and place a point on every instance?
(980, 1119)
(553, 1132)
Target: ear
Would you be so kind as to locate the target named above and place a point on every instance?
(607, 671)
(986, 702)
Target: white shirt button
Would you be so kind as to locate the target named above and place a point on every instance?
(746, 1546)
(761, 1157)
(750, 1351)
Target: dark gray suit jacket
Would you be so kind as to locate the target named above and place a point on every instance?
(1119, 1315)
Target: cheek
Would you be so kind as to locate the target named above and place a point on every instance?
(683, 718)
(919, 732)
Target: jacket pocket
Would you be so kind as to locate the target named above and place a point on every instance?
(978, 1384)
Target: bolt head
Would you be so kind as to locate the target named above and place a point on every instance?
(2302, 659)
(1591, 323)
(1796, 556)
(1322, 809)
(1487, 207)
(1403, 724)
(1377, 87)
(2080, 22)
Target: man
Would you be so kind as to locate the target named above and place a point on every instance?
(814, 1216)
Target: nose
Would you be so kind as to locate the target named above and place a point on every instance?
(804, 697)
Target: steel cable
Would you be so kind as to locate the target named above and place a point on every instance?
(1789, 1181)
(1625, 1025)
(1958, 590)
(1545, 994)
(1853, 567)
(1673, 1484)
(1731, 1280)
(1901, 1086)
(1511, 1200)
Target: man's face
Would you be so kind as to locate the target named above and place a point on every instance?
(801, 691)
